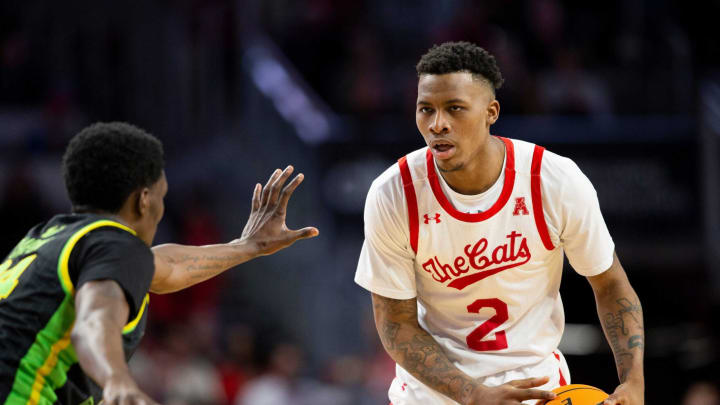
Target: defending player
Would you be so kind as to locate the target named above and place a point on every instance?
(463, 253)
(74, 291)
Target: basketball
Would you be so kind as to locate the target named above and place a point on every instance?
(578, 394)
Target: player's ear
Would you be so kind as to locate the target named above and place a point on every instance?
(142, 201)
(493, 111)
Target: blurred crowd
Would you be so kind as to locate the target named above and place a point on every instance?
(186, 365)
(557, 57)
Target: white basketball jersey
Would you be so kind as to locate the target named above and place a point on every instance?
(488, 283)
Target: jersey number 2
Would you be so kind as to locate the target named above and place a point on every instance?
(9, 275)
(474, 339)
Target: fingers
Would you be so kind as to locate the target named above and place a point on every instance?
(525, 394)
(612, 400)
(266, 190)
(277, 185)
(305, 233)
(529, 382)
(141, 400)
(256, 197)
(524, 391)
(288, 190)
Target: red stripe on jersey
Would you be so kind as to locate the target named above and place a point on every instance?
(562, 378)
(536, 192)
(480, 216)
(411, 199)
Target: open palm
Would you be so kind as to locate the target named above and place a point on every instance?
(266, 226)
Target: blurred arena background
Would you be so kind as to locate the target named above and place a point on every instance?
(630, 90)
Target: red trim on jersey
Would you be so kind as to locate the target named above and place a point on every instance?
(480, 216)
(411, 199)
(562, 378)
(536, 192)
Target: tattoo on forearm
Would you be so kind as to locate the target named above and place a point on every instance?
(634, 310)
(417, 352)
(636, 341)
(198, 266)
(624, 329)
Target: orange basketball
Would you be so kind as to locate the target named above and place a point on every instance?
(578, 394)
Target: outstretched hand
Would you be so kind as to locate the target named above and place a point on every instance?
(266, 226)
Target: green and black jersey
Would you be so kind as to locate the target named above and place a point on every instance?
(38, 280)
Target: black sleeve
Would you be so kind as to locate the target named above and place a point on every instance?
(109, 253)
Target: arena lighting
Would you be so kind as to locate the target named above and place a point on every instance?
(277, 80)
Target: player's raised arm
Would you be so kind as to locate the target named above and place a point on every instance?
(179, 266)
(621, 316)
(420, 355)
(101, 312)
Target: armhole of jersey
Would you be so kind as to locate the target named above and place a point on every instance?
(411, 199)
(64, 260)
(130, 326)
(536, 191)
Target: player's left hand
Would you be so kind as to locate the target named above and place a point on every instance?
(266, 227)
(626, 394)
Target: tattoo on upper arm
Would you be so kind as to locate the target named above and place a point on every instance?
(415, 350)
(624, 328)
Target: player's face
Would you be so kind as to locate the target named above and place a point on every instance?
(454, 112)
(155, 209)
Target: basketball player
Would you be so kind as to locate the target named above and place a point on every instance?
(463, 253)
(74, 291)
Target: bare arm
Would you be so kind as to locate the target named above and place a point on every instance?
(419, 354)
(101, 312)
(178, 266)
(621, 315)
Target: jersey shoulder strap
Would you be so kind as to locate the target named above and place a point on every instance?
(536, 193)
(411, 199)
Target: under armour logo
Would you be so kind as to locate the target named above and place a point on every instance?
(436, 218)
(520, 208)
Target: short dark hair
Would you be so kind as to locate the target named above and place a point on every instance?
(453, 57)
(105, 162)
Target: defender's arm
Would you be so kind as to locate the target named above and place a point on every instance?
(101, 312)
(179, 266)
(621, 315)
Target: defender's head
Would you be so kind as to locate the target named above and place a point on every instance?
(456, 101)
(117, 168)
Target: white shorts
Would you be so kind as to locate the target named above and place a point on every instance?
(407, 390)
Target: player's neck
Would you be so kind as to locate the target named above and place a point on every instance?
(481, 171)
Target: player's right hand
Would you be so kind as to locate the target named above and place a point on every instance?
(513, 392)
(122, 390)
